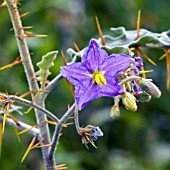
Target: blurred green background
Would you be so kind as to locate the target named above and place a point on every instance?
(134, 140)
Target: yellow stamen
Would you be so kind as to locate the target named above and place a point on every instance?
(99, 78)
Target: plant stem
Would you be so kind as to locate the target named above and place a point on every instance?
(30, 74)
(28, 103)
(22, 126)
(52, 84)
(58, 128)
(76, 113)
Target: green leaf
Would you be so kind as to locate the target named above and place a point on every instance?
(119, 40)
(44, 66)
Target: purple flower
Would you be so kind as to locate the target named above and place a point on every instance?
(90, 134)
(96, 75)
(138, 62)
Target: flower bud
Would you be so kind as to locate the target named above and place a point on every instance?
(149, 87)
(129, 101)
(142, 97)
(115, 111)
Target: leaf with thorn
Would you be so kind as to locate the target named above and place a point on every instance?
(44, 66)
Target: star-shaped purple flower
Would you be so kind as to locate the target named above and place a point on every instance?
(96, 75)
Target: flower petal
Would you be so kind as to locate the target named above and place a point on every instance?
(91, 91)
(112, 88)
(116, 63)
(94, 57)
(85, 93)
(76, 73)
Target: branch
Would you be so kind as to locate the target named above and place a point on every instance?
(22, 44)
(22, 126)
(58, 128)
(30, 74)
(28, 103)
(52, 84)
(66, 116)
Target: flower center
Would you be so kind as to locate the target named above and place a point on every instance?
(99, 78)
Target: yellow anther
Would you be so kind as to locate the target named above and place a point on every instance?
(99, 78)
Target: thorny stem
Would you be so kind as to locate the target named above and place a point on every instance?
(52, 84)
(30, 74)
(28, 103)
(22, 126)
(58, 128)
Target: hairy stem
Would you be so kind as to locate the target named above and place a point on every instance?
(52, 84)
(58, 128)
(28, 103)
(30, 74)
(21, 126)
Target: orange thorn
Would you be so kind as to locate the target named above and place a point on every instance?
(28, 149)
(168, 69)
(100, 32)
(149, 59)
(68, 83)
(33, 100)
(17, 61)
(61, 167)
(14, 119)
(25, 14)
(3, 4)
(143, 72)
(138, 25)
(28, 129)
(4, 121)
(41, 146)
(63, 58)
(162, 57)
(26, 112)
(76, 47)
(16, 132)
(26, 27)
(1, 134)
(51, 122)
(35, 35)
(26, 94)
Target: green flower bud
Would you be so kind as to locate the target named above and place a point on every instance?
(115, 111)
(143, 97)
(129, 101)
(149, 87)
